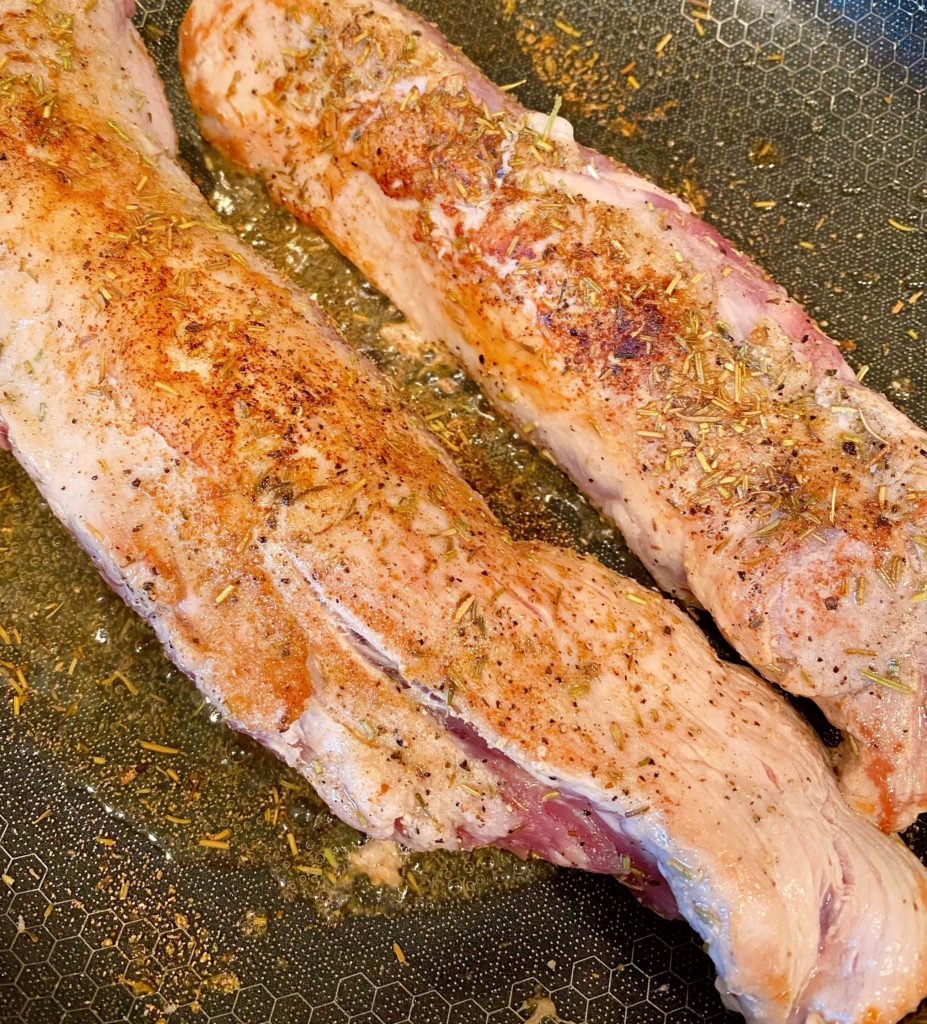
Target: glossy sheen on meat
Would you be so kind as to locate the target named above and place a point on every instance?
(690, 398)
(307, 553)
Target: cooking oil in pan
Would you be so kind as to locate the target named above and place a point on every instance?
(88, 683)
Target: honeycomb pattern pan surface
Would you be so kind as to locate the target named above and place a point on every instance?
(153, 866)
